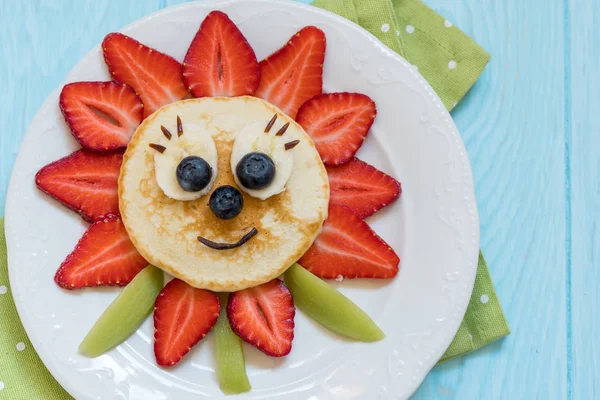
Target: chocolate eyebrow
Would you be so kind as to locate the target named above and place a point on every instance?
(158, 147)
(166, 132)
(228, 246)
(179, 127)
(282, 130)
(270, 124)
(292, 144)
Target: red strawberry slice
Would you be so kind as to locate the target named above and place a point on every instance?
(264, 317)
(348, 247)
(294, 73)
(104, 256)
(220, 62)
(155, 76)
(183, 315)
(361, 187)
(338, 124)
(83, 103)
(84, 181)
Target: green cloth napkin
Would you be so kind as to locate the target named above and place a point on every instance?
(445, 56)
(22, 373)
(451, 62)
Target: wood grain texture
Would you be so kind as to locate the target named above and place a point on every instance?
(40, 41)
(583, 135)
(512, 123)
(532, 132)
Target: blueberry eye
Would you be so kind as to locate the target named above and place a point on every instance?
(255, 171)
(193, 174)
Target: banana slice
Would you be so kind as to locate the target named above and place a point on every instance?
(194, 142)
(254, 139)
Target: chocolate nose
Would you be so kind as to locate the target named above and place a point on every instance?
(226, 202)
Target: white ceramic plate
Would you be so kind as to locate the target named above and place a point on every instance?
(434, 228)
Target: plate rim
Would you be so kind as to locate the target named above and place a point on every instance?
(470, 200)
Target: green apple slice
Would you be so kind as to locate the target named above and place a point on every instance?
(231, 367)
(125, 314)
(329, 307)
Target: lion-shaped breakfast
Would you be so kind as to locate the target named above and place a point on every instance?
(252, 179)
(222, 131)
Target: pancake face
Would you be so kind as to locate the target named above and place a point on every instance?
(165, 231)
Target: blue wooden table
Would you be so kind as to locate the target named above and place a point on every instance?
(532, 129)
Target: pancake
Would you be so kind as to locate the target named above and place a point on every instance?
(165, 231)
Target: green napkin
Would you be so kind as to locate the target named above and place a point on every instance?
(451, 62)
(445, 56)
(22, 373)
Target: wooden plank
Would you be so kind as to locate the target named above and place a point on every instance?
(512, 123)
(516, 145)
(584, 138)
(513, 126)
(41, 42)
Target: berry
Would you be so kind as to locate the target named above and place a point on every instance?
(263, 316)
(226, 202)
(193, 174)
(361, 187)
(104, 256)
(81, 102)
(155, 76)
(183, 315)
(294, 74)
(84, 181)
(338, 124)
(220, 61)
(348, 247)
(255, 171)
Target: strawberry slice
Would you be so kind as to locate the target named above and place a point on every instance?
(348, 247)
(155, 76)
(264, 317)
(338, 124)
(294, 73)
(361, 187)
(183, 315)
(102, 115)
(104, 256)
(220, 62)
(84, 181)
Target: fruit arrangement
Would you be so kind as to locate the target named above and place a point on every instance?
(104, 116)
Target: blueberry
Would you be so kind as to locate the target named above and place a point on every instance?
(255, 170)
(226, 202)
(193, 174)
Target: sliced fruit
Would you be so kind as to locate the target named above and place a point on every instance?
(294, 74)
(264, 317)
(102, 115)
(220, 61)
(260, 163)
(183, 315)
(125, 314)
(338, 124)
(168, 162)
(348, 247)
(104, 256)
(255, 171)
(194, 174)
(329, 307)
(231, 366)
(155, 76)
(361, 187)
(84, 181)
